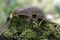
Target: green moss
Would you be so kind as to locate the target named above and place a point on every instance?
(23, 30)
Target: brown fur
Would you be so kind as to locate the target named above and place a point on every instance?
(29, 12)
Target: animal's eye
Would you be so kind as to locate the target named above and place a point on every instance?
(34, 16)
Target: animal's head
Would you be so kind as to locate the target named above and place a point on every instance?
(18, 11)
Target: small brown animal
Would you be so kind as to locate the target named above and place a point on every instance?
(29, 12)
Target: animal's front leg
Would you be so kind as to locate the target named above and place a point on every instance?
(36, 18)
(29, 19)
